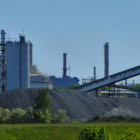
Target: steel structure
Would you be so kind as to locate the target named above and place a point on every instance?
(110, 80)
(2, 62)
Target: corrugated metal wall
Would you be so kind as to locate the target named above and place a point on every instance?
(18, 65)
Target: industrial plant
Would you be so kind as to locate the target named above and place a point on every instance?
(18, 71)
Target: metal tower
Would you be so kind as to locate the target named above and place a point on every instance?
(2, 62)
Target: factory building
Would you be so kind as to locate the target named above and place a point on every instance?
(18, 64)
(65, 81)
(20, 71)
(17, 69)
(39, 80)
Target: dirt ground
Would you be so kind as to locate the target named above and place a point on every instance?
(79, 106)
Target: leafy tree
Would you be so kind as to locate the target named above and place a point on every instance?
(1, 116)
(43, 101)
(42, 116)
(5, 115)
(29, 117)
(48, 114)
(61, 117)
(17, 115)
(91, 133)
(39, 116)
(42, 107)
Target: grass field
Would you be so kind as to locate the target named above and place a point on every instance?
(59, 131)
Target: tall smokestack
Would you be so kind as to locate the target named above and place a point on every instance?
(106, 55)
(94, 69)
(64, 64)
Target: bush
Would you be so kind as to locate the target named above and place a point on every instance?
(48, 115)
(91, 133)
(61, 117)
(17, 115)
(130, 135)
(5, 115)
(29, 117)
(104, 88)
(39, 116)
(113, 119)
(58, 87)
(72, 86)
(137, 87)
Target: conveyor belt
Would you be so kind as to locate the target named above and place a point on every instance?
(112, 79)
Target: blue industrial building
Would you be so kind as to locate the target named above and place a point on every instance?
(18, 64)
(65, 81)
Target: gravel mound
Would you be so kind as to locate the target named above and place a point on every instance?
(22, 98)
(79, 106)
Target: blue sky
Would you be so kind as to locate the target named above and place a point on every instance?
(78, 28)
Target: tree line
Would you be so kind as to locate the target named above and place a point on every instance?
(41, 112)
(113, 119)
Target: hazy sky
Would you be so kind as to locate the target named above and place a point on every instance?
(79, 28)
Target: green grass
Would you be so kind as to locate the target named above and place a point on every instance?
(59, 131)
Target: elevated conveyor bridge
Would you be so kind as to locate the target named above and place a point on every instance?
(110, 80)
